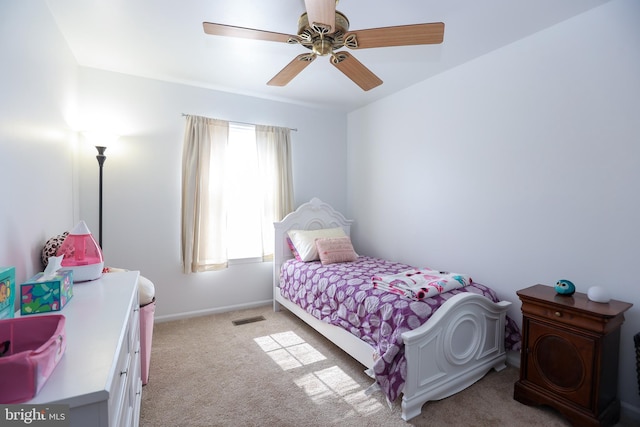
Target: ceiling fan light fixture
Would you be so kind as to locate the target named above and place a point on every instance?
(322, 46)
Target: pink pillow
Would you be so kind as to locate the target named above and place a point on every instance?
(335, 249)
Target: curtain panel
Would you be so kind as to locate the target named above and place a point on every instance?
(274, 161)
(203, 159)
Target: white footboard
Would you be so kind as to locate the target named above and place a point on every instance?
(456, 347)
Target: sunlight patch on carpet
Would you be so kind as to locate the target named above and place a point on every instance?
(288, 350)
(324, 386)
(327, 385)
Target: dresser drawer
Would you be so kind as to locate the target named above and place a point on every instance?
(118, 391)
(133, 330)
(135, 388)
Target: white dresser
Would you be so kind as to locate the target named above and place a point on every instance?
(99, 374)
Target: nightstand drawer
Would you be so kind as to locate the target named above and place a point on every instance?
(567, 317)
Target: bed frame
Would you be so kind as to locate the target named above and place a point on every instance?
(456, 347)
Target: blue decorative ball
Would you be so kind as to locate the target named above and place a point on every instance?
(565, 287)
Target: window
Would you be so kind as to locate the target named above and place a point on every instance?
(236, 181)
(243, 194)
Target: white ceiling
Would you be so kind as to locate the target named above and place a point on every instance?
(164, 39)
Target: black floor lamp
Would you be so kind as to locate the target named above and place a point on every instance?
(101, 158)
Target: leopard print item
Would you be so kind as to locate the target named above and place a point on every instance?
(51, 247)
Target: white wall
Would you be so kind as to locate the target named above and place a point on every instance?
(37, 98)
(518, 168)
(141, 212)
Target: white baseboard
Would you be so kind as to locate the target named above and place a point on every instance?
(513, 359)
(630, 413)
(196, 313)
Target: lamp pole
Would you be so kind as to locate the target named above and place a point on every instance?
(101, 158)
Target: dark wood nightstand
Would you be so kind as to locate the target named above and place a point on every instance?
(569, 357)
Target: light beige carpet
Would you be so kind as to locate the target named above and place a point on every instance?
(205, 371)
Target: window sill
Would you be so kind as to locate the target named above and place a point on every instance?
(252, 260)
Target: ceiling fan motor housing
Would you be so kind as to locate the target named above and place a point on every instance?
(321, 38)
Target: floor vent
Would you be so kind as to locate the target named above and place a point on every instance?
(248, 320)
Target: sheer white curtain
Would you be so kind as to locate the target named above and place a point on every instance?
(274, 161)
(203, 213)
(204, 234)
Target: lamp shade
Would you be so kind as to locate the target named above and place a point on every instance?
(100, 139)
(81, 254)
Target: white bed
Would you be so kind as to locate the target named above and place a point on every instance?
(457, 346)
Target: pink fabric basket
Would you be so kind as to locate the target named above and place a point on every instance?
(30, 349)
(146, 336)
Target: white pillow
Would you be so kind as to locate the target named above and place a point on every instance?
(305, 241)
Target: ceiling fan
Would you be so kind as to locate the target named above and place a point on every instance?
(324, 30)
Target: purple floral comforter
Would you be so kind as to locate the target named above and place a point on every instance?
(343, 295)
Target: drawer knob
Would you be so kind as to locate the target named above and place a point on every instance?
(558, 314)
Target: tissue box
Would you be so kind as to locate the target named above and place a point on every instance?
(7, 292)
(43, 296)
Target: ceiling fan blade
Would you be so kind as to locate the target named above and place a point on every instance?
(292, 69)
(355, 70)
(246, 33)
(322, 12)
(402, 35)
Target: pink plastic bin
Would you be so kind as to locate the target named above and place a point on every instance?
(146, 335)
(31, 348)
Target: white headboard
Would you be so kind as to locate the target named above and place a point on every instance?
(312, 215)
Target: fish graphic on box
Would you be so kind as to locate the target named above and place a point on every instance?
(7, 292)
